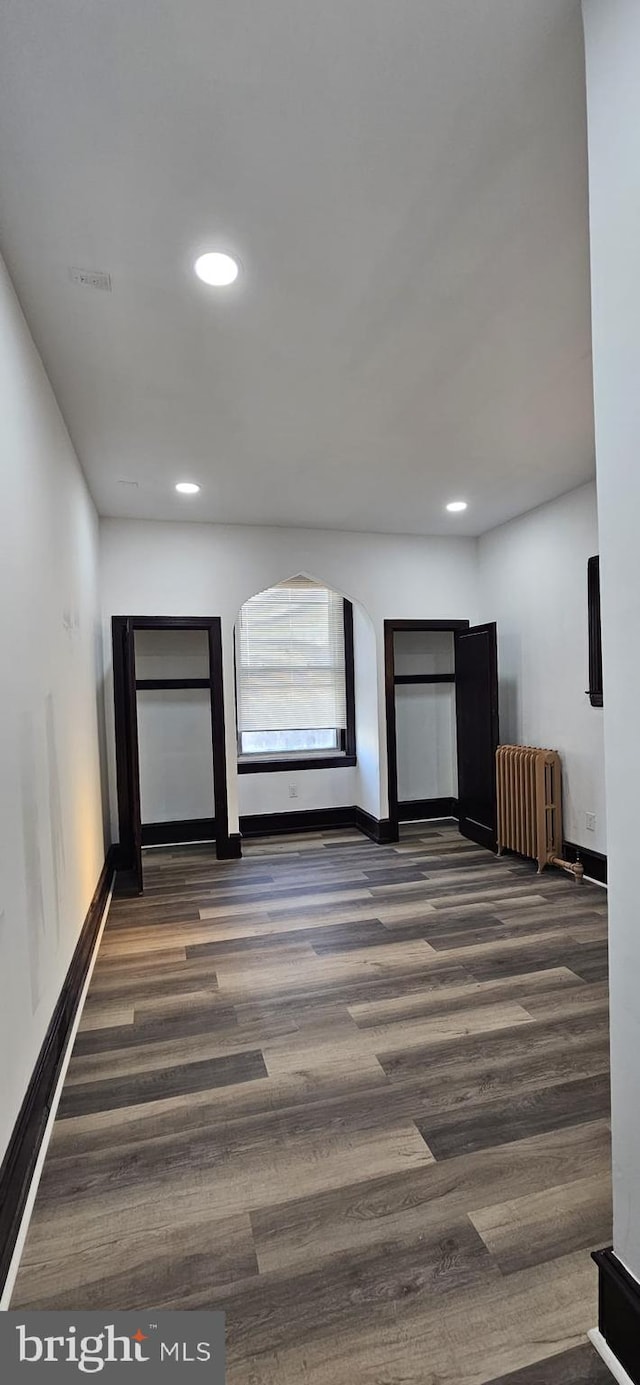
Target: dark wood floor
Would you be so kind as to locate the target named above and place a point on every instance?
(357, 1096)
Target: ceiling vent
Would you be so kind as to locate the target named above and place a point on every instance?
(91, 278)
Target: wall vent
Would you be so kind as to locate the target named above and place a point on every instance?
(91, 278)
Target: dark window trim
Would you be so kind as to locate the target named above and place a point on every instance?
(350, 681)
(390, 628)
(257, 766)
(595, 633)
(344, 759)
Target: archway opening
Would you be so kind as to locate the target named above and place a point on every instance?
(307, 730)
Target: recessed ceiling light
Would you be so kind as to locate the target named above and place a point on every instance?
(455, 505)
(216, 269)
(187, 488)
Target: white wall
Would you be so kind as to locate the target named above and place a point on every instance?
(51, 833)
(529, 575)
(176, 758)
(612, 33)
(423, 651)
(426, 741)
(314, 788)
(533, 576)
(204, 569)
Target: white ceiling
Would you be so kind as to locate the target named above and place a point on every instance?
(405, 184)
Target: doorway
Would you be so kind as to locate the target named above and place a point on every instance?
(170, 736)
(441, 687)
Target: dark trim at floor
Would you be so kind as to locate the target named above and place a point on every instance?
(594, 862)
(231, 848)
(20, 1159)
(188, 830)
(380, 830)
(308, 820)
(317, 820)
(420, 809)
(619, 1311)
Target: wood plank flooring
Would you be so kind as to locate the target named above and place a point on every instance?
(356, 1096)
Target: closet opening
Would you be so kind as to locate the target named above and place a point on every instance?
(441, 687)
(170, 746)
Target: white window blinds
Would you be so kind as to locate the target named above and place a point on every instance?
(290, 659)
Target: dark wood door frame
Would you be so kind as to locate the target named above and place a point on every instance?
(126, 739)
(126, 729)
(390, 628)
(595, 632)
(477, 732)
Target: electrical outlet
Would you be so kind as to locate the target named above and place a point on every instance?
(293, 791)
(590, 819)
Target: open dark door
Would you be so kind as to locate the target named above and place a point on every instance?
(477, 728)
(126, 726)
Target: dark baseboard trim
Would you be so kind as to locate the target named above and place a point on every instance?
(420, 809)
(229, 848)
(379, 830)
(594, 862)
(20, 1159)
(309, 820)
(619, 1311)
(273, 824)
(188, 830)
(317, 820)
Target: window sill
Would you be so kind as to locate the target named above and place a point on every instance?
(271, 764)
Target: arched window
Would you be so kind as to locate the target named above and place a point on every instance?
(294, 674)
